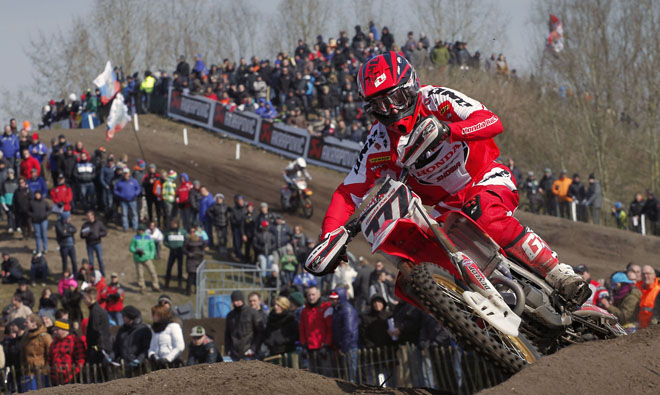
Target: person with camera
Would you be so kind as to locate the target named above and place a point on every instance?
(144, 250)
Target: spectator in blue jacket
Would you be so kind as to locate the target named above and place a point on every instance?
(266, 110)
(10, 147)
(205, 202)
(107, 175)
(37, 149)
(127, 190)
(345, 327)
(36, 183)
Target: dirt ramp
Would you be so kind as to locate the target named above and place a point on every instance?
(252, 377)
(628, 365)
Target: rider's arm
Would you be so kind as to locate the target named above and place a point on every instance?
(469, 119)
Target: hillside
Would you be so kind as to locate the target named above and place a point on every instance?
(257, 175)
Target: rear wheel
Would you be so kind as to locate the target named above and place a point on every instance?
(307, 208)
(442, 297)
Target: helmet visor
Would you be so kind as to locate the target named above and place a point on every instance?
(398, 98)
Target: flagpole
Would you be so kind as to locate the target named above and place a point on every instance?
(138, 140)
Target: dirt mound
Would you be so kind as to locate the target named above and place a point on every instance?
(627, 365)
(227, 378)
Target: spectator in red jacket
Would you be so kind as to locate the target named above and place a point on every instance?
(113, 296)
(28, 163)
(62, 196)
(316, 330)
(66, 355)
(183, 200)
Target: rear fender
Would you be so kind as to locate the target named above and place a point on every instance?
(590, 311)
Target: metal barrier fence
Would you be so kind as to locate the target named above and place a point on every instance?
(442, 368)
(221, 278)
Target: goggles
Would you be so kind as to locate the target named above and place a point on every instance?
(398, 98)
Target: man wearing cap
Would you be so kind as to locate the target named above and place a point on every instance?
(62, 196)
(264, 245)
(237, 222)
(38, 149)
(127, 191)
(218, 216)
(182, 68)
(545, 189)
(66, 355)
(624, 303)
(243, 330)
(560, 190)
(183, 200)
(66, 165)
(594, 199)
(113, 296)
(202, 348)
(169, 196)
(174, 239)
(598, 291)
(579, 195)
(37, 183)
(345, 326)
(144, 250)
(84, 175)
(132, 340)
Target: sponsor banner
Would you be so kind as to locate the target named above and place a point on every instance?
(284, 139)
(333, 152)
(194, 109)
(243, 125)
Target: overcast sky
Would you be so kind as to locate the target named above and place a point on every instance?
(19, 20)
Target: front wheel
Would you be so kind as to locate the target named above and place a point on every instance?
(442, 298)
(307, 208)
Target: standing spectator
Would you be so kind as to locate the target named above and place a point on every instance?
(264, 244)
(183, 200)
(183, 68)
(128, 190)
(28, 163)
(635, 213)
(98, 338)
(38, 149)
(143, 249)
(84, 175)
(620, 216)
(205, 202)
(237, 222)
(545, 189)
(65, 233)
(93, 231)
(66, 355)
(250, 229)
(283, 235)
(202, 348)
(107, 189)
(387, 38)
(7, 190)
(12, 272)
(62, 196)
(34, 349)
(303, 280)
(624, 303)
(289, 265)
(71, 299)
(345, 325)
(38, 269)
(113, 296)
(193, 249)
(255, 302)
(594, 199)
(66, 166)
(156, 235)
(37, 183)
(440, 56)
(382, 288)
(560, 190)
(39, 209)
(243, 330)
(21, 206)
(316, 329)
(133, 339)
(148, 184)
(281, 328)
(174, 240)
(531, 187)
(195, 197)
(651, 210)
(373, 325)
(577, 192)
(650, 287)
(167, 344)
(361, 284)
(25, 294)
(516, 172)
(169, 196)
(218, 217)
(344, 277)
(265, 214)
(9, 147)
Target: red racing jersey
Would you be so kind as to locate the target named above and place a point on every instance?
(443, 178)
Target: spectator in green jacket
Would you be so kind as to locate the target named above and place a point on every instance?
(144, 250)
(92, 103)
(174, 239)
(625, 299)
(620, 215)
(440, 55)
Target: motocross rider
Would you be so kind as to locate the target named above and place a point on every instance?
(457, 172)
(294, 170)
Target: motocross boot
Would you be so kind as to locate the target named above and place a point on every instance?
(533, 251)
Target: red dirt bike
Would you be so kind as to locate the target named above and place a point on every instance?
(454, 271)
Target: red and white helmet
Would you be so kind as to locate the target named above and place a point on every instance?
(386, 82)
